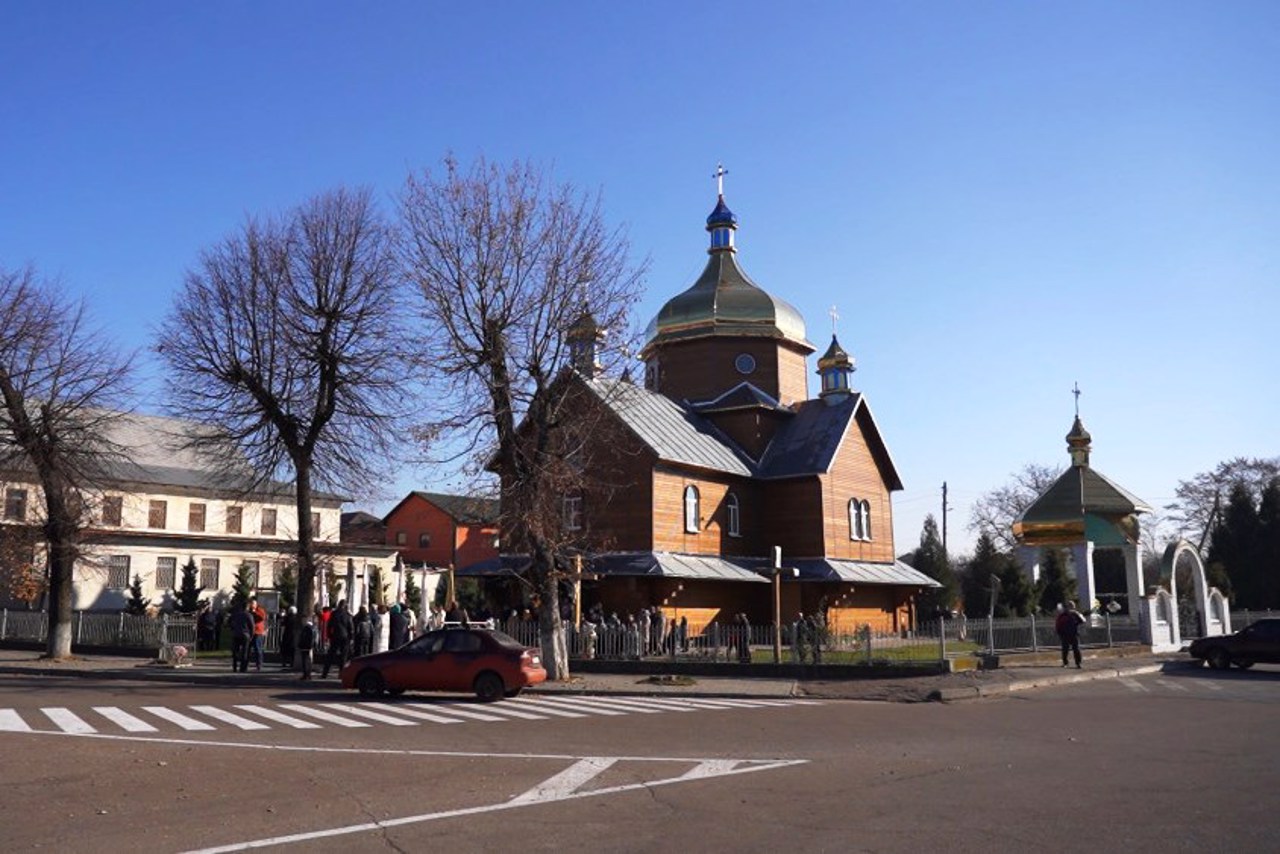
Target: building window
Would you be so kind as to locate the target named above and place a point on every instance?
(866, 520)
(235, 515)
(268, 521)
(424, 540)
(118, 571)
(279, 569)
(15, 504)
(113, 510)
(252, 574)
(315, 525)
(166, 573)
(209, 573)
(195, 517)
(573, 513)
(402, 538)
(855, 519)
(735, 515)
(691, 510)
(157, 514)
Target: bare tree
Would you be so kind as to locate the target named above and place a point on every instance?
(506, 261)
(286, 338)
(1201, 497)
(994, 512)
(62, 385)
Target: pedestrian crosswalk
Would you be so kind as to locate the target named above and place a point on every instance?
(1262, 688)
(244, 717)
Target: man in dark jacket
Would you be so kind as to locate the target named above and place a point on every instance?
(399, 627)
(1067, 624)
(288, 637)
(341, 628)
(241, 625)
(306, 643)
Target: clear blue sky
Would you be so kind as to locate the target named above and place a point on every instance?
(1002, 198)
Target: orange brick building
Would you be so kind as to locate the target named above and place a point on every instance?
(439, 530)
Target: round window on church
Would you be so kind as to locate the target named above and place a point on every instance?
(745, 363)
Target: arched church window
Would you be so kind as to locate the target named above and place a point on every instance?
(735, 515)
(855, 519)
(691, 514)
(866, 520)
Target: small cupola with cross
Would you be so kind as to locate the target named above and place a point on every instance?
(836, 368)
(721, 223)
(584, 337)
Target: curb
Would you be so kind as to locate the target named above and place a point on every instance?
(951, 695)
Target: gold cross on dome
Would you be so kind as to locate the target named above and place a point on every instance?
(719, 176)
(1075, 390)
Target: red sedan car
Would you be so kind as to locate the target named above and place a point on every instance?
(456, 658)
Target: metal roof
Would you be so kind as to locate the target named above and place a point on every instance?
(464, 508)
(672, 565)
(672, 432)
(1080, 490)
(862, 572)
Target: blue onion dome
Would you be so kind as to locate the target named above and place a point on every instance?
(835, 357)
(721, 216)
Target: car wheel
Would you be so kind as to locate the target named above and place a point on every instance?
(514, 692)
(395, 692)
(1244, 665)
(488, 687)
(370, 683)
(1218, 658)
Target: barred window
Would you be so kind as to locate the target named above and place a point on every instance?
(209, 567)
(195, 517)
(252, 574)
(735, 515)
(166, 573)
(113, 510)
(15, 504)
(269, 521)
(118, 571)
(234, 517)
(315, 525)
(157, 514)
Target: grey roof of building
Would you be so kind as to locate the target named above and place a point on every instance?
(742, 396)
(1080, 490)
(674, 433)
(644, 564)
(807, 444)
(467, 509)
(862, 572)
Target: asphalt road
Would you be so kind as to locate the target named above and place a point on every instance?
(1182, 761)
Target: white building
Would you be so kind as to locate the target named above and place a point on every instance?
(169, 505)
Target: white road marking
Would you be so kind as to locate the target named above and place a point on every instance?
(360, 712)
(544, 709)
(455, 709)
(124, 720)
(508, 708)
(1212, 686)
(692, 704)
(178, 718)
(1165, 683)
(66, 720)
(567, 781)
(278, 717)
(322, 715)
(11, 721)
(615, 704)
(1134, 685)
(745, 767)
(711, 768)
(414, 712)
(565, 702)
(229, 717)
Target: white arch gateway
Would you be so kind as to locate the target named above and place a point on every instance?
(1161, 625)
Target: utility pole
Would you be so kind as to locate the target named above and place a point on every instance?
(945, 508)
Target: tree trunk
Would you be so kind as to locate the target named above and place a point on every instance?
(61, 598)
(306, 545)
(555, 654)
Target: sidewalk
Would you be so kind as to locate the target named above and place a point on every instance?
(951, 687)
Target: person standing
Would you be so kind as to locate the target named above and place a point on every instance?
(288, 637)
(241, 625)
(306, 647)
(259, 632)
(206, 620)
(381, 625)
(659, 629)
(341, 629)
(364, 633)
(399, 627)
(1067, 625)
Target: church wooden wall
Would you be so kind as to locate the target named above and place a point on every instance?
(713, 537)
(702, 369)
(794, 517)
(855, 474)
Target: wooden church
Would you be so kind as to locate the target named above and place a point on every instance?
(722, 455)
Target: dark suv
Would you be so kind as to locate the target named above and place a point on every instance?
(1257, 642)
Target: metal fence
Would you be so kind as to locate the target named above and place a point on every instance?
(1242, 618)
(933, 641)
